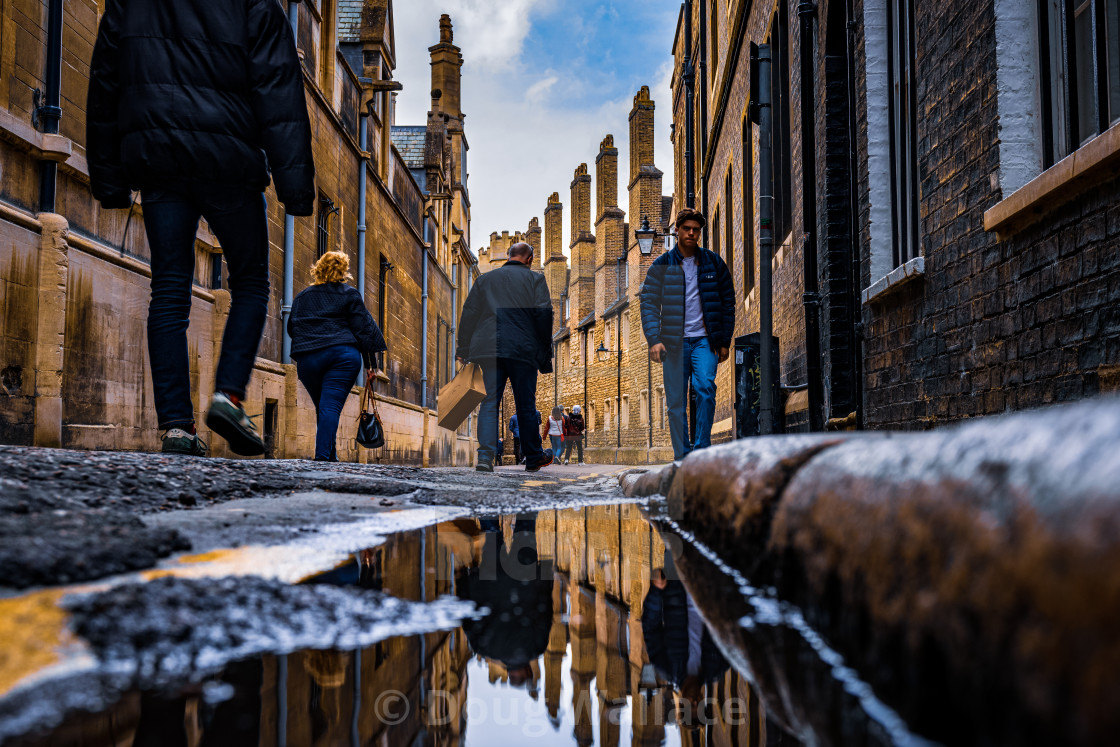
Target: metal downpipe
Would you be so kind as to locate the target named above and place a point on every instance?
(807, 11)
(289, 238)
(765, 240)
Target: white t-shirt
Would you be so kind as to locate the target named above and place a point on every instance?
(555, 427)
(693, 310)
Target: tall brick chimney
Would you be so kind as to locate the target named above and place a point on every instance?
(533, 238)
(447, 64)
(582, 291)
(610, 239)
(556, 264)
(645, 181)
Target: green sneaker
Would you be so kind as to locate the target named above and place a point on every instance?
(178, 441)
(231, 423)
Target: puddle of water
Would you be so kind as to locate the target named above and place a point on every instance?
(591, 638)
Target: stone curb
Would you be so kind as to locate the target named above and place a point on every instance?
(972, 571)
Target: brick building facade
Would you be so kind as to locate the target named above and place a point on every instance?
(74, 285)
(964, 190)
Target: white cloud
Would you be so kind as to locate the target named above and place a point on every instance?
(525, 143)
(539, 90)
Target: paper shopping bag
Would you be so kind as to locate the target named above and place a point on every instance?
(462, 394)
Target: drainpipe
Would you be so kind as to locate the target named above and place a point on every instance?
(424, 458)
(649, 401)
(689, 115)
(50, 112)
(363, 141)
(424, 329)
(289, 237)
(765, 243)
(704, 115)
(807, 11)
(853, 168)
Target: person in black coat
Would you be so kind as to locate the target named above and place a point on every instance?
(198, 105)
(688, 317)
(332, 332)
(506, 328)
(515, 586)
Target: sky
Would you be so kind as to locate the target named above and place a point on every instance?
(544, 81)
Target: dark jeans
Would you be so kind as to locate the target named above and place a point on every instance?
(522, 378)
(571, 441)
(328, 376)
(237, 217)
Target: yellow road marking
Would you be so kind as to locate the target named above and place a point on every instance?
(33, 628)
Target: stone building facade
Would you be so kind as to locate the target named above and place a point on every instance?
(601, 359)
(74, 278)
(963, 161)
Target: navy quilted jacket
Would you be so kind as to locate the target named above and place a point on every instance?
(662, 299)
(333, 314)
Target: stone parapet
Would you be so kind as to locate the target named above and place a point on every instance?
(971, 574)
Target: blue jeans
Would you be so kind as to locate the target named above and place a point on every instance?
(522, 378)
(238, 217)
(328, 375)
(694, 360)
(557, 447)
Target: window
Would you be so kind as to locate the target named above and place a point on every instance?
(624, 338)
(606, 415)
(713, 29)
(626, 411)
(1079, 65)
(643, 406)
(715, 230)
(608, 336)
(567, 307)
(904, 130)
(309, 36)
(591, 417)
(382, 286)
(748, 205)
(728, 223)
(662, 407)
(622, 277)
(326, 210)
(781, 154)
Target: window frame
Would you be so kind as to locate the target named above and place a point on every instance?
(903, 122)
(749, 279)
(1061, 72)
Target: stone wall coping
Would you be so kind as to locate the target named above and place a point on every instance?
(1086, 167)
(894, 280)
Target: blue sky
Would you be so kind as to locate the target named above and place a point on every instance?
(543, 82)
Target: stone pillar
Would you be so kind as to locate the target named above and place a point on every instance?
(50, 331)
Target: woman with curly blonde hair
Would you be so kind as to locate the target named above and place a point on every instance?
(332, 332)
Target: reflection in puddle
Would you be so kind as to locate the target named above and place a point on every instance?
(590, 639)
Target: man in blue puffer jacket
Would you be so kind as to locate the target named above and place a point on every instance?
(688, 317)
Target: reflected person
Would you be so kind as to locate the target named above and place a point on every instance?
(512, 582)
(678, 642)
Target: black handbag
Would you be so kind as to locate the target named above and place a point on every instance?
(371, 432)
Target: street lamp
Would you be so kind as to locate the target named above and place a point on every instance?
(645, 236)
(604, 356)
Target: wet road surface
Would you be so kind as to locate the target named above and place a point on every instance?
(499, 619)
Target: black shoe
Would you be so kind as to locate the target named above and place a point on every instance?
(179, 441)
(484, 466)
(231, 423)
(548, 458)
